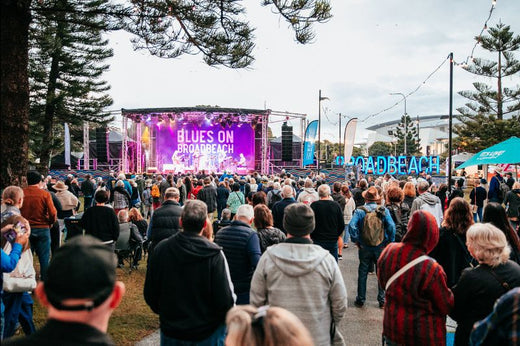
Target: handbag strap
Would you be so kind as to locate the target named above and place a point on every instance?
(502, 282)
(404, 269)
(467, 255)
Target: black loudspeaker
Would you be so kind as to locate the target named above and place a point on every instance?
(102, 144)
(287, 135)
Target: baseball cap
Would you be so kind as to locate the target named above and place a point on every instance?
(84, 268)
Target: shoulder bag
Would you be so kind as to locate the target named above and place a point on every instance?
(404, 269)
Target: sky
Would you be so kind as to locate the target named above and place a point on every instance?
(366, 51)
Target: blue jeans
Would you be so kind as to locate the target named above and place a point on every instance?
(346, 235)
(479, 214)
(367, 255)
(41, 244)
(18, 308)
(216, 339)
(332, 247)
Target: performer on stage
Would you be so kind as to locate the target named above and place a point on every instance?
(242, 160)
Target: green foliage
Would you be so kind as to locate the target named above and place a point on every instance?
(380, 149)
(407, 129)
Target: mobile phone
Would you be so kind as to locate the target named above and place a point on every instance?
(19, 227)
(10, 235)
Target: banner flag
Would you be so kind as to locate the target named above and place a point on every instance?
(308, 145)
(350, 135)
(67, 144)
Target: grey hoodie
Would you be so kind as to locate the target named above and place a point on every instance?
(308, 195)
(304, 279)
(433, 201)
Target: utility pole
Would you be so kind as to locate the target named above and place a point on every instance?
(339, 133)
(320, 98)
(450, 126)
(405, 122)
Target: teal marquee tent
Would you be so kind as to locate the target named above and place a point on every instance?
(504, 152)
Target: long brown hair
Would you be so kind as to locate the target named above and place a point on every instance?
(458, 216)
(263, 217)
(134, 215)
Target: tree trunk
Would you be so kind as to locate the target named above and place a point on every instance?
(500, 113)
(15, 17)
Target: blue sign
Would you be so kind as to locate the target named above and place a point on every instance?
(402, 165)
(308, 145)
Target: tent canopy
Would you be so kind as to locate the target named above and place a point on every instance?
(507, 151)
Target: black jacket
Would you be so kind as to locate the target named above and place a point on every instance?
(476, 293)
(278, 210)
(101, 222)
(164, 222)
(481, 195)
(329, 221)
(88, 188)
(208, 194)
(222, 196)
(188, 285)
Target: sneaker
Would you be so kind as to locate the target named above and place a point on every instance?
(358, 304)
(381, 305)
(345, 246)
(371, 273)
(340, 257)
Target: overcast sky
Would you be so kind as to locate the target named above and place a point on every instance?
(366, 51)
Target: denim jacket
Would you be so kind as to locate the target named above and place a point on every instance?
(356, 225)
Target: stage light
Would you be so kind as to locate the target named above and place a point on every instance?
(243, 118)
(148, 118)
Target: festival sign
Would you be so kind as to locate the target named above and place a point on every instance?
(308, 145)
(205, 146)
(402, 165)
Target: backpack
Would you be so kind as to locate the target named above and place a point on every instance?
(373, 232)
(432, 209)
(156, 193)
(275, 197)
(503, 189)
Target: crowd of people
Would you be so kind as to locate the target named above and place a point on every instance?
(255, 259)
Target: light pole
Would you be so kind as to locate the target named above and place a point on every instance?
(320, 98)
(405, 122)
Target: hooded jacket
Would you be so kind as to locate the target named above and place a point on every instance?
(433, 201)
(308, 195)
(304, 279)
(512, 202)
(418, 301)
(189, 286)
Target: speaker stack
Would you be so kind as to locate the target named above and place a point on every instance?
(287, 136)
(102, 144)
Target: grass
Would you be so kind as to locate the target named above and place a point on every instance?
(132, 320)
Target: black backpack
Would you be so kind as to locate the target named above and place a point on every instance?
(275, 197)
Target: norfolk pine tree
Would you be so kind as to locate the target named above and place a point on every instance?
(407, 128)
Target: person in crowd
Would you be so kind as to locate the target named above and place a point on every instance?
(55, 228)
(241, 246)
(74, 186)
(135, 197)
(309, 194)
(182, 190)
(337, 195)
(165, 220)
(225, 220)
(147, 201)
(361, 235)
(494, 193)
(259, 197)
(510, 181)
(12, 201)
(457, 191)
(451, 251)
(79, 298)
(222, 197)
(128, 187)
(501, 326)
(357, 192)
(512, 204)
(275, 195)
(39, 210)
(135, 217)
(398, 210)
(100, 221)
(279, 207)
(427, 201)
(253, 186)
(350, 206)
(329, 221)
(267, 325)
(477, 198)
(478, 288)
(303, 278)
(87, 188)
(442, 193)
(189, 187)
(120, 197)
(68, 201)
(236, 199)
(196, 269)
(495, 214)
(267, 234)
(410, 194)
(208, 194)
(418, 300)
(197, 186)
(136, 239)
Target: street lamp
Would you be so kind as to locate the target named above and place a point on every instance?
(320, 98)
(405, 121)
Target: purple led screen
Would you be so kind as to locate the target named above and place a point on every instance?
(209, 147)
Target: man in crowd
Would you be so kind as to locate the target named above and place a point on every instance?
(87, 188)
(165, 219)
(510, 180)
(457, 191)
(364, 235)
(208, 195)
(188, 284)
(279, 207)
(494, 193)
(427, 201)
(302, 278)
(79, 298)
(39, 210)
(242, 249)
(329, 221)
(357, 192)
(308, 195)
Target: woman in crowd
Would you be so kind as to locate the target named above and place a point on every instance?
(495, 214)
(100, 221)
(478, 288)
(265, 326)
(135, 217)
(451, 251)
(442, 193)
(259, 198)
(120, 197)
(350, 206)
(69, 202)
(398, 210)
(136, 239)
(236, 199)
(189, 187)
(418, 300)
(477, 198)
(182, 190)
(135, 199)
(222, 196)
(267, 234)
(512, 204)
(409, 194)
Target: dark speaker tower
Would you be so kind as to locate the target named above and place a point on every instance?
(287, 135)
(102, 144)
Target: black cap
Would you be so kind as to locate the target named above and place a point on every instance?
(298, 219)
(84, 268)
(33, 177)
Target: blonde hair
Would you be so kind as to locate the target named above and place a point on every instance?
(11, 195)
(516, 185)
(265, 326)
(488, 244)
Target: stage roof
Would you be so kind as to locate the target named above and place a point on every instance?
(178, 110)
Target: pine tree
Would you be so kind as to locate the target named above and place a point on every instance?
(67, 61)
(380, 149)
(406, 129)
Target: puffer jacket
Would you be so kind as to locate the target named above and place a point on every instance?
(269, 236)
